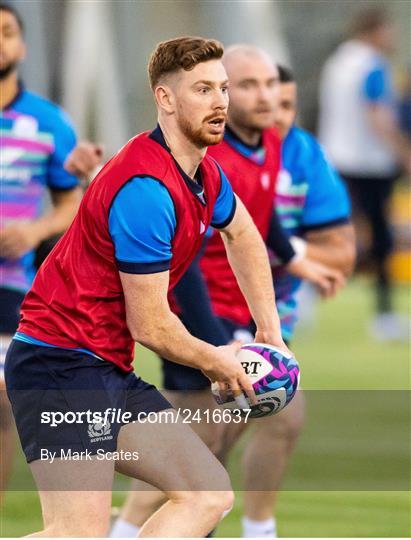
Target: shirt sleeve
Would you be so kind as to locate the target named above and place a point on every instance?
(327, 201)
(64, 142)
(142, 223)
(376, 87)
(225, 205)
(278, 240)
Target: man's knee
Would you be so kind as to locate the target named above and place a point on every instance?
(289, 423)
(89, 521)
(214, 503)
(83, 526)
(6, 414)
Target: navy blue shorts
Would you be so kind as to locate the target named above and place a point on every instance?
(184, 378)
(79, 389)
(10, 302)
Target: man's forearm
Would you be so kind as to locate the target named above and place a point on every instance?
(248, 258)
(339, 257)
(58, 218)
(334, 248)
(169, 338)
(384, 124)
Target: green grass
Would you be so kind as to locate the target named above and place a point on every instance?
(350, 475)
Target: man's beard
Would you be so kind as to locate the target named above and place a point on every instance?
(198, 137)
(5, 72)
(250, 120)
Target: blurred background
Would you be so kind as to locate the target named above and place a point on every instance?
(90, 57)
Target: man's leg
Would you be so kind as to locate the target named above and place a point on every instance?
(10, 301)
(264, 465)
(7, 436)
(143, 500)
(75, 497)
(382, 241)
(174, 459)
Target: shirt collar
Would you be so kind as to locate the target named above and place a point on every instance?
(255, 152)
(195, 186)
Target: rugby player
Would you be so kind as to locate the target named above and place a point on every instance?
(105, 285)
(37, 137)
(251, 153)
(313, 207)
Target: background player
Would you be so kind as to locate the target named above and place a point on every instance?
(313, 206)
(36, 139)
(369, 149)
(134, 243)
(251, 153)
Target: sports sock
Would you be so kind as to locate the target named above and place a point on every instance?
(123, 529)
(259, 529)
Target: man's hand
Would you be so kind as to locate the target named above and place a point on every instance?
(152, 324)
(83, 159)
(271, 339)
(17, 239)
(227, 370)
(327, 280)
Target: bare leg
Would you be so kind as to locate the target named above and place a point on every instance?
(143, 500)
(266, 457)
(73, 511)
(174, 459)
(7, 439)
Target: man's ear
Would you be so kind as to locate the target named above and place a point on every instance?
(165, 99)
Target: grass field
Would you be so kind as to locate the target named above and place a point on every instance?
(350, 475)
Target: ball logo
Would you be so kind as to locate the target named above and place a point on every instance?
(254, 364)
(265, 408)
(251, 368)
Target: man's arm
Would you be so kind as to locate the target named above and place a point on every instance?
(384, 124)
(18, 238)
(333, 246)
(248, 258)
(152, 324)
(328, 280)
(381, 117)
(84, 159)
(194, 301)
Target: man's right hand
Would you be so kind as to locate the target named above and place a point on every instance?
(226, 369)
(328, 280)
(84, 159)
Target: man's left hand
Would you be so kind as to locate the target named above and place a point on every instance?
(271, 338)
(17, 239)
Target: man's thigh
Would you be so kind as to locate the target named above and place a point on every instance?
(171, 456)
(75, 496)
(197, 410)
(287, 423)
(85, 473)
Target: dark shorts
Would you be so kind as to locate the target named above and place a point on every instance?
(10, 302)
(183, 378)
(44, 380)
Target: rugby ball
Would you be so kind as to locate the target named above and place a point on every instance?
(275, 375)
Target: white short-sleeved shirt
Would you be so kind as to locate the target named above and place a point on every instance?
(354, 77)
